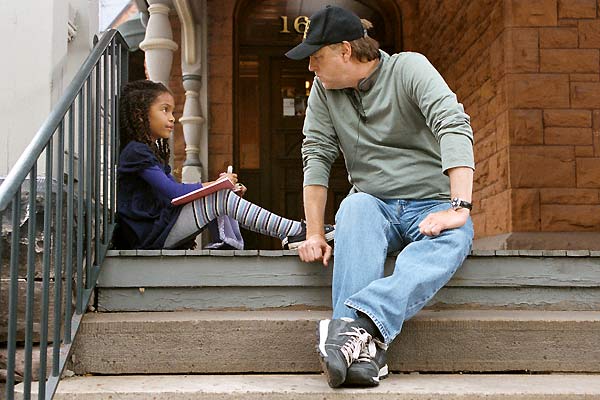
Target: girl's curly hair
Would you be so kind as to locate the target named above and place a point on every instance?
(134, 106)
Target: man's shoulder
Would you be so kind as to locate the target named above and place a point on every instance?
(407, 57)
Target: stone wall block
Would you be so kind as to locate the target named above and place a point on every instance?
(569, 196)
(525, 210)
(538, 90)
(589, 34)
(577, 9)
(498, 210)
(522, 50)
(575, 118)
(588, 173)
(568, 136)
(558, 38)
(570, 60)
(542, 166)
(525, 127)
(531, 12)
(585, 95)
(570, 218)
(584, 151)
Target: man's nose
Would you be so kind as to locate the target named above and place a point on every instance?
(311, 66)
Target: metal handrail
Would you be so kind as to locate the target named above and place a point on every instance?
(87, 114)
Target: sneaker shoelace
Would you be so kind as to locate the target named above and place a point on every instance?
(367, 352)
(355, 344)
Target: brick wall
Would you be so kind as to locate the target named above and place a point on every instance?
(463, 41)
(552, 74)
(528, 74)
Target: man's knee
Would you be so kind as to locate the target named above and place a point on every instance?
(358, 206)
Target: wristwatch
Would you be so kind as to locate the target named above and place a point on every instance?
(457, 204)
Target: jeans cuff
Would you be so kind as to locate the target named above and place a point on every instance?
(386, 337)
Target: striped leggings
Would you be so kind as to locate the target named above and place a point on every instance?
(196, 215)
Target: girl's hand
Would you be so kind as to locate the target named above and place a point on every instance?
(232, 177)
(240, 189)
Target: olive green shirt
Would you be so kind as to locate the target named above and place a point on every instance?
(411, 132)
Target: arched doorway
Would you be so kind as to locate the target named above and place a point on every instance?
(270, 93)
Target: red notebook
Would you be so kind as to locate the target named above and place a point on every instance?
(219, 184)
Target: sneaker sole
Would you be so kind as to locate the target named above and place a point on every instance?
(371, 381)
(293, 246)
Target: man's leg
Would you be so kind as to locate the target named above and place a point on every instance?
(365, 230)
(422, 268)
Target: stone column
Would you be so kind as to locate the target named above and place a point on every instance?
(158, 43)
(192, 121)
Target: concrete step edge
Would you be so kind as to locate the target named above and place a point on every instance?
(314, 386)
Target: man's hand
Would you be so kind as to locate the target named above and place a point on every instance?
(436, 222)
(315, 248)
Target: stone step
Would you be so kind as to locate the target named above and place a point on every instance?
(168, 280)
(314, 387)
(284, 342)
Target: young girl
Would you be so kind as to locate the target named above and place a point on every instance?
(145, 186)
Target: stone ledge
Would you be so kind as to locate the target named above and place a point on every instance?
(282, 253)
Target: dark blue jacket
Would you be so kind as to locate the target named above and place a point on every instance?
(145, 188)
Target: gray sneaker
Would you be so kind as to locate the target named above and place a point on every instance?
(370, 367)
(293, 242)
(340, 344)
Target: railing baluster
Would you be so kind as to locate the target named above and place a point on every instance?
(58, 243)
(105, 164)
(46, 272)
(69, 238)
(13, 292)
(80, 194)
(88, 186)
(113, 125)
(98, 164)
(27, 376)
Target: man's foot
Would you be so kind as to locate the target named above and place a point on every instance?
(293, 242)
(370, 367)
(340, 344)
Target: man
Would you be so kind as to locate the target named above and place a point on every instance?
(408, 149)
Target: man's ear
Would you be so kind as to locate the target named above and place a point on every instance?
(346, 50)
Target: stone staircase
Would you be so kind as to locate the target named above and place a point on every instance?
(241, 325)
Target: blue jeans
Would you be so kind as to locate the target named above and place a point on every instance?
(367, 229)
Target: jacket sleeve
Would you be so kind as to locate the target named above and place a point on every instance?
(320, 147)
(444, 115)
(164, 184)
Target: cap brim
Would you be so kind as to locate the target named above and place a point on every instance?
(303, 50)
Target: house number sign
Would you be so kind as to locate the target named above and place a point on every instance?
(299, 24)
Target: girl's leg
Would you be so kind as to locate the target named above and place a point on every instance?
(249, 215)
(185, 228)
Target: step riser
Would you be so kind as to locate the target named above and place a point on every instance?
(260, 298)
(236, 343)
(171, 283)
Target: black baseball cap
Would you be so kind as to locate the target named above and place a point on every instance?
(330, 25)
